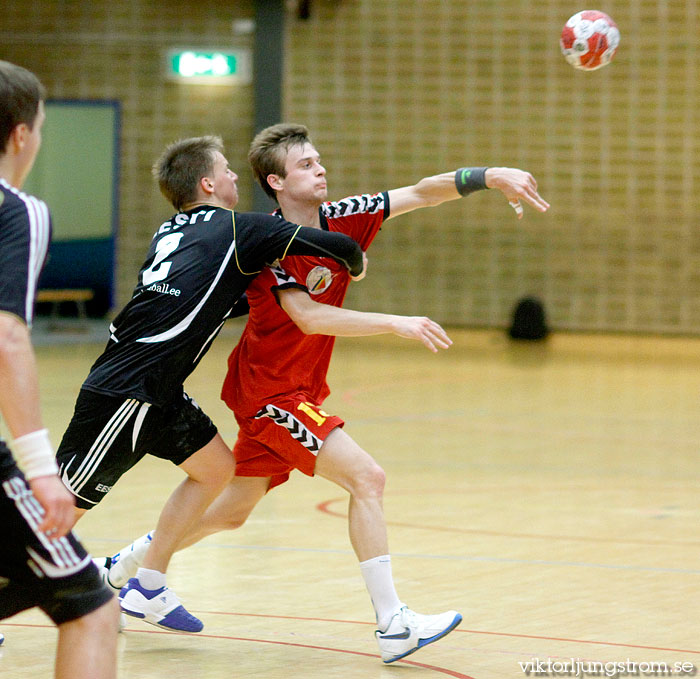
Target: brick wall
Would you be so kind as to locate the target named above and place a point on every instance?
(115, 50)
(394, 90)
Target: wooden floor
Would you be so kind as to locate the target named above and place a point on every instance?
(549, 492)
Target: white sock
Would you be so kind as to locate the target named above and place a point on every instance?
(150, 579)
(380, 585)
(128, 560)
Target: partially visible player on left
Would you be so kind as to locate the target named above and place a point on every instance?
(41, 562)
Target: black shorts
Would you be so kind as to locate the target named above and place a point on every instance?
(58, 576)
(108, 435)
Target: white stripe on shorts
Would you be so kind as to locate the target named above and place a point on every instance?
(65, 560)
(101, 446)
(296, 428)
(143, 411)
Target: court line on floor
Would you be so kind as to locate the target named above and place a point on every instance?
(459, 630)
(445, 557)
(447, 672)
(324, 507)
(434, 668)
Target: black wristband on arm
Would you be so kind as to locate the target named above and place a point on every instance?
(470, 179)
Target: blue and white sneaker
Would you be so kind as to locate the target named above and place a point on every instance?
(160, 607)
(408, 631)
(2, 638)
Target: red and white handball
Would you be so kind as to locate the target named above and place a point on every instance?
(589, 40)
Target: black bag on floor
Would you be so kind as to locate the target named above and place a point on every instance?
(529, 320)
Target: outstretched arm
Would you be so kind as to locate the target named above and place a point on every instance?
(516, 185)
(324, 319)
(342, 248)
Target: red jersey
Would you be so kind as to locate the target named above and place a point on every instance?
(273, 357)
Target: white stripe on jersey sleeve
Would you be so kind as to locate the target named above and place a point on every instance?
(352, 205)
(39, 237)
(39, 233)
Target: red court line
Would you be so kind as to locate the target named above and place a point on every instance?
(581, 641)
(325, 508)
(434, 668)
(463, 631)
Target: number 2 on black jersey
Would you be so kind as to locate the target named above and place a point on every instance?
(160, 269)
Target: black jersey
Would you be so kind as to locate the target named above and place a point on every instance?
(25, 233)
(199, 264)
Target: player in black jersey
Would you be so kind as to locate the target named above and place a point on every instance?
(41, 563)
(276, 393)
(132, 402)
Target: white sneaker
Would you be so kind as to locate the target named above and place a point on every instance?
(2, 638)
(101, 563)
(160, 607)
(408, 631)
(126, 562)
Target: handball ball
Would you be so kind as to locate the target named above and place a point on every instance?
(589, 40)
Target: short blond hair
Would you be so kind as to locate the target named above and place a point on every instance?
(183, 164)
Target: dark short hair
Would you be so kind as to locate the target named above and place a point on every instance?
(268, 151)
(20, 95)
(183, 164)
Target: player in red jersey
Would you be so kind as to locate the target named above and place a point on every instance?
(276, 381)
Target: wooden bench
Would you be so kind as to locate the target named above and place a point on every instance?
(56, 296)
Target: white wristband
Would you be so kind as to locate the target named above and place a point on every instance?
(34, 454)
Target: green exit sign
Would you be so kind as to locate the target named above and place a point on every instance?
(210, 67)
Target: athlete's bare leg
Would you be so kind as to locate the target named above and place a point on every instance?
(208, 471)
(230, 510)
(87, 646)
(342, 461)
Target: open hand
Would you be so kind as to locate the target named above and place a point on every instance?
(424, 330)
(516, 185)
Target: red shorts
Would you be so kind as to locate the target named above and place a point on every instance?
(286, 434)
